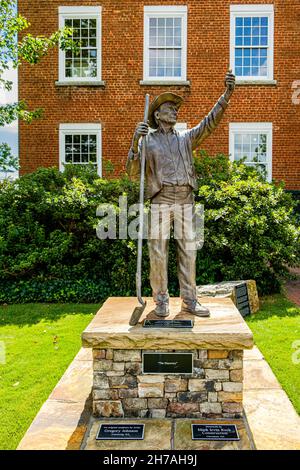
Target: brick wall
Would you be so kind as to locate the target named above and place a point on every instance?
(119, 106)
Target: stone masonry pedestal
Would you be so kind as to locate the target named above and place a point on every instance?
(213, 390)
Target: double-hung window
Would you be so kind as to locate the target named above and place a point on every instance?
(84, 64)
(252, 42)
(252, 141)
(165, 43)
(80, 144)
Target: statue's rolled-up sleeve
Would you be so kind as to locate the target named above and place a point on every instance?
(133, 165)
(200, 132)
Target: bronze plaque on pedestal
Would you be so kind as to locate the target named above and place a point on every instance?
(120, 432)
(168, 324)
(167, 363)
(215, 432)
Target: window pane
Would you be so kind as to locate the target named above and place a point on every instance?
(93, 23)
(152, 32)
(80, 148)
(177, 41)
(160, 41)
(250, 34)
(253, 147)
(263, 71)
(77, 63)
(92, 142)
(264, 21)
(264, 41)
(165, 32)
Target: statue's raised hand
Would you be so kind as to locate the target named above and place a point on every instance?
(229, 84)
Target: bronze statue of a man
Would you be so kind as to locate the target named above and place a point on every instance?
(170, 181)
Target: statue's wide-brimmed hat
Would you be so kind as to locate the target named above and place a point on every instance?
(163, 98)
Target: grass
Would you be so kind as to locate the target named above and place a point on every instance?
(40, 341)
(276, 330)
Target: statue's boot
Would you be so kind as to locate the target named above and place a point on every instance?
(162, 304)
(195, 308)
(162, 309)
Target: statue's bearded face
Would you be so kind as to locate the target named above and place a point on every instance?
(167, 113)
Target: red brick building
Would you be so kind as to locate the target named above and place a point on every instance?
(93, 100)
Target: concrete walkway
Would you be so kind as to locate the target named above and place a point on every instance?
(272, 419)
(63, 420)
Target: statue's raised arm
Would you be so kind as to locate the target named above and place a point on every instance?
(200, 132)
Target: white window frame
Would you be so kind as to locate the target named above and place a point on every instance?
(67, 129)
(80, 13)
(165, 12)
(256, 11)
(253, 128)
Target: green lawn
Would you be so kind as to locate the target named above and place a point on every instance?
(40, 341)
(276, 329)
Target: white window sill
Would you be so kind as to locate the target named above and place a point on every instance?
(78, 83)
(256, 82)
(165, 82)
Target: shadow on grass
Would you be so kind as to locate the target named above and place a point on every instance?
(31, 314)
(275, 306)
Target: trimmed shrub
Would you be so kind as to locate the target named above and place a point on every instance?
(250, 225)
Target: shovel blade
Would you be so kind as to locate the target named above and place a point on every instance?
(136, 315)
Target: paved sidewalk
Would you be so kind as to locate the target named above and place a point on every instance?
(293, 287)
(273, 421)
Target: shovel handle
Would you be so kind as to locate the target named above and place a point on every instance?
(141, 210)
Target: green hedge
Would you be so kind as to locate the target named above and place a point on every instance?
(49, 250)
